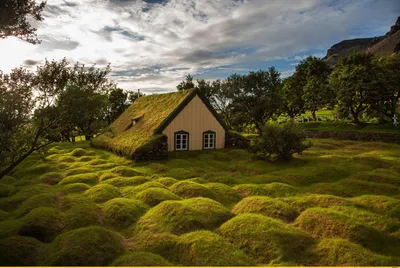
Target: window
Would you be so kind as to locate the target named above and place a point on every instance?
(209, 140)
(181, 141)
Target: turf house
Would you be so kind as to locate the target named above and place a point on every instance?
(157, 124)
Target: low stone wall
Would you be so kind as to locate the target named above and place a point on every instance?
(355, 135)
(235, 140)
(155, 149)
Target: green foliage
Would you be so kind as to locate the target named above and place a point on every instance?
(267, 240)
(122, 212)
(20, 251)
(266, 206)
(140, 259)
(92, 246)
(188, 189)
(154, 196)
(102, 192)
(280, 142)
(187, 84)
(184, 216)
(204, 248)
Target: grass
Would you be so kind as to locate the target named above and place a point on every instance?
(336, 204)
(348, 126)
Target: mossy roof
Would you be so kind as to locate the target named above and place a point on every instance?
(151, 115)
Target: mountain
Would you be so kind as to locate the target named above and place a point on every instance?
(381, 45)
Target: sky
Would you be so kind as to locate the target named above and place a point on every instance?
(153, 44)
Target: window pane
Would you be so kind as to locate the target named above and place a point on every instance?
(178, 146)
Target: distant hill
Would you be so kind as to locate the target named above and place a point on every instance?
(381, 45)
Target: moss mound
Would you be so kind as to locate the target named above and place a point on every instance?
(167, 181)
(107, 175)
(132, 191)
(51, 178)
(82, 215)
(7, 180)
(19, 251)
(154, 196)
(274, 189)
(125, 181)
(73, 188)
(384, 205)
(266, 240)
(6, 190)
(189, 189)
(90, 246)
(140, 259)
(223, 193)
(340, 252)
(42, 223)
(266, 206)
(204, 248)
(78, 152)
(327, 223)
(11, 202)
(122, 212)
(197, 180)
(102, 192)
(125, 171)
(184, 216)
(88, 178)
(300, 203)
(40, 200)
(3, 215)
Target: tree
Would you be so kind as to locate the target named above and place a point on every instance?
(293, 103)
(118, 103)
(14, 19)
(257, 96)
(132, 96)
(186, 84)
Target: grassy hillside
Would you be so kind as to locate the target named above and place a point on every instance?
(337, 204)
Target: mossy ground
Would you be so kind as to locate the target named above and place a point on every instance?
(336, 204)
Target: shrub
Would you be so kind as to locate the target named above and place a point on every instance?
(19, 251)
(154, 196)
(204, 248)
(184, 216)
(266, 240)
(280, 141)
(125, 181)
(42, 223)
(223, 193)
(89, 178)
(102, 192)
(266, 206)
(188, 189)
(82, 215)
(90, 246)
(340, 252)
(122, 212)
(140, 259)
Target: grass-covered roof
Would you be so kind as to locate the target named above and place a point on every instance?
(148, 113)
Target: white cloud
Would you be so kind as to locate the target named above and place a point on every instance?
(153, 46)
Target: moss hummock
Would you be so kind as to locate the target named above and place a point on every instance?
(140, 259)
(125, 181)
(120, 213)
(154, 196)
(82, 215)
(88, 178)
(20, 251)
(189, 189)
(102, 192)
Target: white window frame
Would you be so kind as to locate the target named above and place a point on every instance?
(181, 137)
(209, 140)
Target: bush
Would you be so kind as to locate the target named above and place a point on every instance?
(280, 141)
(266, 240)
(122, 212)
(204, 248)
(102, 192)
(140, 259)
(20, 251)
(154, 196)
(184, 216)
(90, 246)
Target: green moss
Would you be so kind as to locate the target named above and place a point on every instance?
(266, 240)
(197, 180)
(188, 189)
(9, 228)
(3, 215)
(40, 200)
(82, 215)
(154, 196)
(125, 171)
(167, 181)
(11, 202)
(184, 216)
(302, 202)
(204, 248)
(90, 246)
(79, 170)
(140, 259)
(102, 192)
(51, 178)
(384, 205)
(42, 223)
(73, 188)
(7, 180)
(20, 251)
(107, 175)
(88, 178)
(266, 206)
(7, 190)
(125, 181)
(340, 252)
(223, 193)
(274, 189)
(132, 191)
(78, 152)
(122, 212)
(327, 223)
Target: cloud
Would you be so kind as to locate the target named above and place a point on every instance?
(153, 44)
(29, 63)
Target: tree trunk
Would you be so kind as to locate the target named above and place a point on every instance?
(314, 116)
(355, 117)
(16, 163)
(88, 137)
